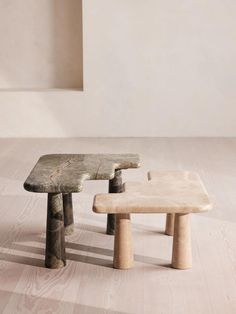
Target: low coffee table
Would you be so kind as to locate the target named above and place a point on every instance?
(176, 193)
(60, 175)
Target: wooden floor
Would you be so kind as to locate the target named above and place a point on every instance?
(89, 284)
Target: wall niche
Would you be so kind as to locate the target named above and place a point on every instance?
(41, 44)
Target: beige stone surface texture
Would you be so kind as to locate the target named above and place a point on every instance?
(170, 224)
(168, 192)
(182, 251)
(123, 246)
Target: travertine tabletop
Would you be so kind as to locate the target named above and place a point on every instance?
(65, 173)
(166, 192)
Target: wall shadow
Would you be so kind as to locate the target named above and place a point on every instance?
(67, 44)
(44, 52)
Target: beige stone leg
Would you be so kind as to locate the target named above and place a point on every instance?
(170, 223)
(182, 255)
(123, 248)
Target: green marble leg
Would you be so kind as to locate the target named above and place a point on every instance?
(115, 186)
(68, 213)
(55, 239)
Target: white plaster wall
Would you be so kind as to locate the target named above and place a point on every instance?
(151, 68)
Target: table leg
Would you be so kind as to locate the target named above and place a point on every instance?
(123, 248)
(68, 213)
(170, 223)
(115, 186)
(182, 254)
(55, 239)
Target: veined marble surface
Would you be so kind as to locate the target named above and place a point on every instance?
(65, 173)
(166, 192)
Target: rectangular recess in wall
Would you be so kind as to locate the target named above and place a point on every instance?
(41, 44)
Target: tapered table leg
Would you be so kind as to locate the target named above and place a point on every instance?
(68, 214)
(55, 239)
(170, 223)
(182, 254)
(115, 186)
(123, 247)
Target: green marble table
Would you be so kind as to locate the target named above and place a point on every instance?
(60, 175)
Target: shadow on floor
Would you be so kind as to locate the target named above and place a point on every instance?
(90, 228)
(46, 305)
(98, 261)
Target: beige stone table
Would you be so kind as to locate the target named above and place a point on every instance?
(60, 175)
(177, 194)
